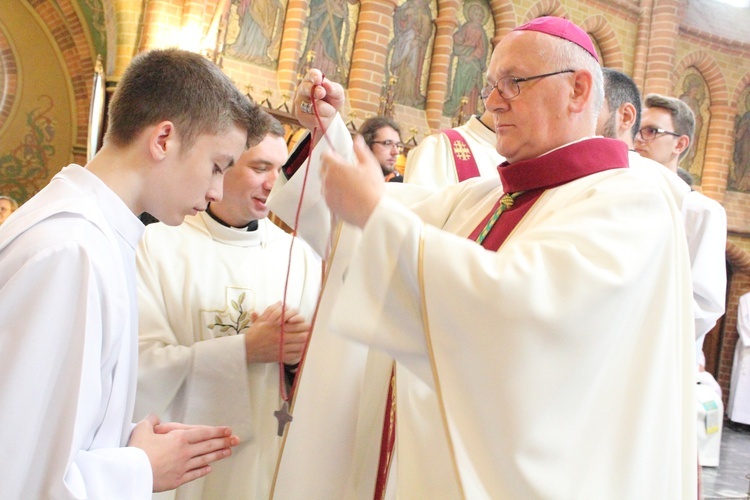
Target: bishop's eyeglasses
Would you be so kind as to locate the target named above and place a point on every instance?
(650, 133)
(508, 87)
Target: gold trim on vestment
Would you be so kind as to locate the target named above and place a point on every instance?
(336, 232)
(433, 365)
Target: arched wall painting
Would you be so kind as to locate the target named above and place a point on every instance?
(739, 167)
(472, 49)
(409, 52)
(93, 13)
(694, 92)
(254, 29)
(329, 38)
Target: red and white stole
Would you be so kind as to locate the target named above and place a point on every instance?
(463, 158)
(535, 175)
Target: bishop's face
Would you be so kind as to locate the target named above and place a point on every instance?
(534, 121)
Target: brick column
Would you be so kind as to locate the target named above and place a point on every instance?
(161, 22)
(719, 152)
(665, 24)
(505, 19)
(191, 25)
(640, 58)
(367, 75)
(441, 58)
(291, 45)
(127, 26)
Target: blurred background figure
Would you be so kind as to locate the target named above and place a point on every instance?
(383, 137)
(7, 206)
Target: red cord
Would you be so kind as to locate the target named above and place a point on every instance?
(282, 382)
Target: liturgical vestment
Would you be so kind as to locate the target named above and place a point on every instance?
(432, 163)
(197, 285)
(68, 360)
(561, 361)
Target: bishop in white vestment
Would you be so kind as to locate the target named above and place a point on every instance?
(561, 352)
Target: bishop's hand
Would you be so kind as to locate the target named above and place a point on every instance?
(329, 99)
(352, 191)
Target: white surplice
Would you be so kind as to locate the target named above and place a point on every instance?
(706, 230)
(197, 285)
(68, 344)
(431, 163)
(571, 345)
(738, 408)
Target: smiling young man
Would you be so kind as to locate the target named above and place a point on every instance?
(210, 318)
(556, 345)
(68, 317)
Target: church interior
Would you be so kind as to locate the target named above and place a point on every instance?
(60, 61)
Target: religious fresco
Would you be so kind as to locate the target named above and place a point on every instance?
(739, 167)
(329, 42)
(93, 14)
(471, 55)
(254, 30)
(694, 92)
(24, 169)
(410, 52)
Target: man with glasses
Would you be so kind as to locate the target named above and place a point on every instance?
(545, 308)
(383, 136)
(666, 135)
(704, 219)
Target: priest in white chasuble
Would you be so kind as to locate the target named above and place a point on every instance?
(210, 294)
(549, 309)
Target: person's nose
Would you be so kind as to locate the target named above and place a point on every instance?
(270, 179)
(216, 190)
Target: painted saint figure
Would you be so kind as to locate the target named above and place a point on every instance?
(328, 36)
(470, 48)
(412, 29)
(694, 94)
(261, 23)
(738, 178)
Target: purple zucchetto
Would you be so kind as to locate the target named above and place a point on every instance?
(562, 28)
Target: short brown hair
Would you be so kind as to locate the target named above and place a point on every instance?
(184, 88)
(682, 116)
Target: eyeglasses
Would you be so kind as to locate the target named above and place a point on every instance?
(650, 133)
(508, 87)
(389, 144)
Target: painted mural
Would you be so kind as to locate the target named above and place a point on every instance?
(329, 42)
(471, 55)
(739, 168)
(24, 170)
(93, 14)
(254, 31)
(409, 52)
(693, 92)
